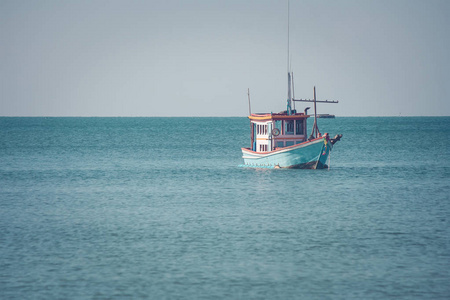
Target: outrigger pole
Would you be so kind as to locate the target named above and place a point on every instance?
(315, 129)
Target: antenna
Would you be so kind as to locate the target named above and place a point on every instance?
(289, 95)
(288, 63)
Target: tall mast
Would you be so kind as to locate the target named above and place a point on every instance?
(315, 112)
(289, 110)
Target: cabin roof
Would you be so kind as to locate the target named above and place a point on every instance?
(277, 116)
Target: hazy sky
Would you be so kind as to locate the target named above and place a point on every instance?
(198, 57)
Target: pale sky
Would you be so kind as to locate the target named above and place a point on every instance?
(198, 57)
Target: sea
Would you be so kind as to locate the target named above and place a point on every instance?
(159, 208)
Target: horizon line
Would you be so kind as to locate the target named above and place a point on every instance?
(185, 116)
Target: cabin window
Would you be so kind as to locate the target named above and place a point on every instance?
(299, 127)
(289, 127)
(280, 144)
(278, 125)
(289, 143)
(261, 129)
(263, 148)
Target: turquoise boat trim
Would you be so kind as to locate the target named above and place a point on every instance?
(256, 167)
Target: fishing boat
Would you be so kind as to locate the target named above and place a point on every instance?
(280, 140)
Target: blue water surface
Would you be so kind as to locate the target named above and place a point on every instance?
(157, 208)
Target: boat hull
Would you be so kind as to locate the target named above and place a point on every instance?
(308, 155)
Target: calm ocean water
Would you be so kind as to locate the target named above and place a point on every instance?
(157, 208)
